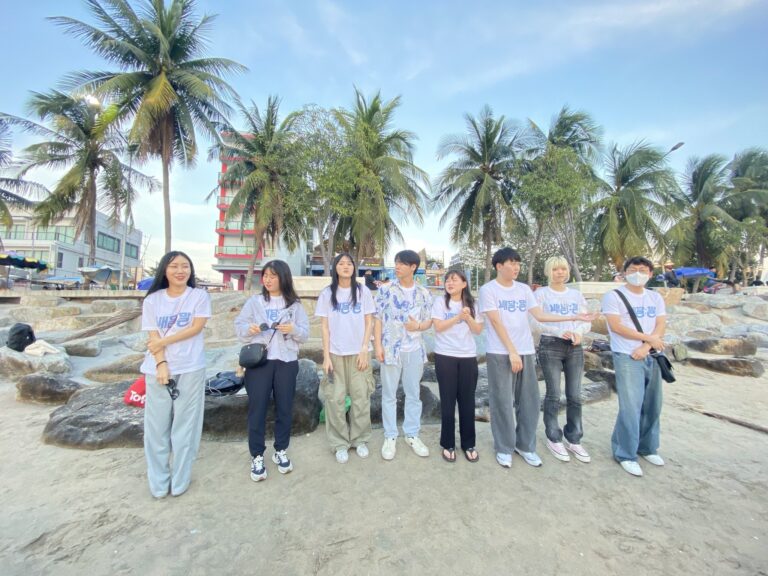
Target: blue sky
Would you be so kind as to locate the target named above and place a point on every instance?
(662, 70)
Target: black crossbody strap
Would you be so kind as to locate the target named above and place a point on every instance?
(630, 310)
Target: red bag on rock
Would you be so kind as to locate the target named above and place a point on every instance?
(136, 393)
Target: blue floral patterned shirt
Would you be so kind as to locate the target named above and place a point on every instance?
(393, 307)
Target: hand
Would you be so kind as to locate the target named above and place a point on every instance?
(516, 361)
(379, 351)
(576, 338)
(586, 316)
(641, 352)
(567, 336)
(412, 325)
(656, 343)
(155, 345)
(254, 329)
(362, 360)
(162, 374)
(327, 366)
(466, 314)
(285, 329)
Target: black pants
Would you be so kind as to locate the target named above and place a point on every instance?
(278, 379)
(457, 379)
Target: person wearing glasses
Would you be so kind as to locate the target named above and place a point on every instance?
(174, 312)
(276, 319)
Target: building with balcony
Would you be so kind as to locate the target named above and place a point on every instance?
(56, 244)
(234, 247)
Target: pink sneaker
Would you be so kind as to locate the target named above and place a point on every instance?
(558, 450)
(578, 451)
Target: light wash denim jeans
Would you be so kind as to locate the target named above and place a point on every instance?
(409, 369)
(557, 356)
(638, 385)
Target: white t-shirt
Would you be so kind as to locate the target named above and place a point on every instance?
(648, 306)
(458, 341)
(168, 316)
(512, 304)
(346, 323)
(569, 302)
(412, 340)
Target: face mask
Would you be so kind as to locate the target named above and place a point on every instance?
(638, 278)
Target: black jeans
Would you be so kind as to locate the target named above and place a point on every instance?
(278, 379)
(557, 355)
(457, 380)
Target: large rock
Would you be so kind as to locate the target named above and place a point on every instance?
(97, 418)
(600, 326)
(33, 314)
(46, 388)
(671, 296)
(721, 301)
(136, 342)
(733, 366)
(37, 300)
(430, 404)
(16, 364)
(756, 308)
(85, 347)
(226, 417)
(677, 352)
(312, 349)
(682, 324)
(592, 361)
(724, 346)
(119, 371)
(110, 306)
(608, 376)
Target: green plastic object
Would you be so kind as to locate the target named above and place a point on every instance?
(347, 404)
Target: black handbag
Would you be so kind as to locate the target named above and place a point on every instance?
(664, 364)
(255, 354)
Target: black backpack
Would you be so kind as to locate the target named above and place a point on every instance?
(20, 336)
(224, 384)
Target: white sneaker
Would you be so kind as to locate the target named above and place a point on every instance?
(579, 452)
(632, 467)
(558, 451)
(258, 470)
(654, 459)
(362, 450)
(389, 448)
(283, 462)
(531, 458)
(418, 446)
(342, 456)
(504, 459)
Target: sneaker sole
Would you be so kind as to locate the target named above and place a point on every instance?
(257, 477)
(361, 455)
(531, 464)
(388, 458)
(504, 464)
(579, 457)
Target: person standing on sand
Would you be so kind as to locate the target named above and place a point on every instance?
(638, 377)
(559, 352)
(345, 309)
(457, 320)
(513, 390)
(276, 319)
(174, 312)
(403, 310)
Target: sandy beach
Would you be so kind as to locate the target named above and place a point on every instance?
(706, 512)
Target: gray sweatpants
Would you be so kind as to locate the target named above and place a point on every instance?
(513, 396)
(173, 426)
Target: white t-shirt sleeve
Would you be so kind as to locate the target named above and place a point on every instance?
(369, 307)
(323, 304)
(610, 304)
(531, 301)
(661, 307)
(478, 317)
(438, 307)
(487, 299)
(148, 316)
(203, 305)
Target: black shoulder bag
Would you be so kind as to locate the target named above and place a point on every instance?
(255, 354)
(664, 364)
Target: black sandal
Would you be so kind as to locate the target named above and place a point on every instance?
(467, 455)
(451, 457)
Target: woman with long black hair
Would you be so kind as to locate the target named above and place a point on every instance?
(456, 320)
(174, 313)
(346, 309)
(277, 319)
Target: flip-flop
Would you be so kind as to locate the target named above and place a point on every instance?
(451, 455)
(473, 460)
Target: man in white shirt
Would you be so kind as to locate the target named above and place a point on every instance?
(638, 377)
(513, 390)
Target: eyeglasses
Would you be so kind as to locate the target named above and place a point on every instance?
(172, 389)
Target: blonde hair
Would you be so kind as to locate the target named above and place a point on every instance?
(556, 262)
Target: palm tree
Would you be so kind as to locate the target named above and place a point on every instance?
(577, 133)
(262, 170)
(12, 190)
(636, 202)
(475, 187)
(165, 84)
(387, 184)
(83, 139)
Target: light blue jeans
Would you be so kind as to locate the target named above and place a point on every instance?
(409, 370)
(638, 385)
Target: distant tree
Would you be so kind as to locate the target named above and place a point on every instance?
(13, 191)
(82, 137)
(166, 85)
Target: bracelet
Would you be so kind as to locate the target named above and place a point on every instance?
(161, 362)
